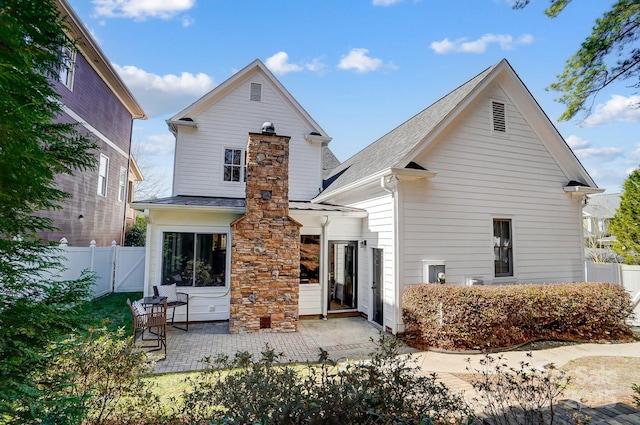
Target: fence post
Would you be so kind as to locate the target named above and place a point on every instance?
(114, 248)
(64, 243)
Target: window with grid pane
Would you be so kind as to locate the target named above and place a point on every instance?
(103, 174)
(502, 248)
(234, 165)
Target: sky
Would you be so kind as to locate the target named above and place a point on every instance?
(360, 68)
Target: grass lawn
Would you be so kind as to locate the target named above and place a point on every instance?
(111, 311)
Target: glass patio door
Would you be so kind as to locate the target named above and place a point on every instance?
(343, 281)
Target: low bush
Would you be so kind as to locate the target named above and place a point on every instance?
(517, 395)
(384, 390)
(488, 317)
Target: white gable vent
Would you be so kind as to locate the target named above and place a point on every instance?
(498, 114)
(256, 92)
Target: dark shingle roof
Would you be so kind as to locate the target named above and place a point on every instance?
(391, 148)
(218, 202)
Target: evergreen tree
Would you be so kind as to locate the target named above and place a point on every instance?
(35, 307)
(610, 53)
(625, 225)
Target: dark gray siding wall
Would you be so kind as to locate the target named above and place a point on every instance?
(87, 215)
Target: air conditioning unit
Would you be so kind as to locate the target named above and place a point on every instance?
(433, 272)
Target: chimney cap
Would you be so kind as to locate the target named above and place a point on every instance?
(268, 128)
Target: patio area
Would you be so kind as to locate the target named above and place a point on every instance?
(344, 338)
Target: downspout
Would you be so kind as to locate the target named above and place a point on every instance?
(583, 203)
(393, 190)
(147, 253)
(324, 288)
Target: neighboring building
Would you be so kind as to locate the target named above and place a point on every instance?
(597, 215)
(94, 96)
(479, 187)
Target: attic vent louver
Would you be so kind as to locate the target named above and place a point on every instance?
(499, 119)
(256, 92)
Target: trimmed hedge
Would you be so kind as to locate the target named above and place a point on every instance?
(488, 317)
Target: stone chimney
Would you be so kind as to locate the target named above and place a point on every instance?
(265, 252)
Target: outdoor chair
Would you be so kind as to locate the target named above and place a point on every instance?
(174, 299)
(153, 320)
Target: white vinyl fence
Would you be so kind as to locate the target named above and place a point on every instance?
(621, 274)
(117, 268)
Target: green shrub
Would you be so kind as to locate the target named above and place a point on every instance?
(101, 377)
(383, 390)
(487, 317)
(136, 235)
(521, 395)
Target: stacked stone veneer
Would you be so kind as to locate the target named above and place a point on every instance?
(265, 252)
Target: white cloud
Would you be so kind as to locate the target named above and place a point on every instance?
(603, 154)
(279, 64)
(461, 45)
(164, 94)
(385, 2)
(358, 60)
(187, 21)
(618, 108)
(142, 9)
(317, 65)
(583, 150)
(575, 142)
(159, 145)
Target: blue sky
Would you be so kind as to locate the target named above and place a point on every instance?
(359, 67)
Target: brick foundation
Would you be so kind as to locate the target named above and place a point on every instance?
(265, 252)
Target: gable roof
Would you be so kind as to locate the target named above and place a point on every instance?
(398, 148)
(187, 115)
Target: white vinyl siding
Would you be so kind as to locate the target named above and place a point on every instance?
(103, 175)
(227, 123)
(481, 177)
(206, 303)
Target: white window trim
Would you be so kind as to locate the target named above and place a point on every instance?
(67, 74)
(161, 230)
(513, 277)
(122, 184)
(243, 166)
(100, 190)
(504, 133)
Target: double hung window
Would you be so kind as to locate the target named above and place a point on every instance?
(234, 165)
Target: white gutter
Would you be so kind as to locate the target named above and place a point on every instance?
(148, 206)
(324, 289)
(400, 173)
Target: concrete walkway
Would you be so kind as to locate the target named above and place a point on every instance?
(354, 338)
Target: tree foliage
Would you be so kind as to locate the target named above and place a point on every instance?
(36, 307)
(608, 54)
(625, 225)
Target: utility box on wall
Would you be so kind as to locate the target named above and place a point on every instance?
(433, 271)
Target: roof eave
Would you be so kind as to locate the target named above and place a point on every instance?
(142, 206)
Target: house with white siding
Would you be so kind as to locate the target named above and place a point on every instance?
(478, 188)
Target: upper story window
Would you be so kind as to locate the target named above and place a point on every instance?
(502, 248)
(67, 70)
(122, 184)
(256, 92)
(234, 165)
(498, 117)
(103, 174)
